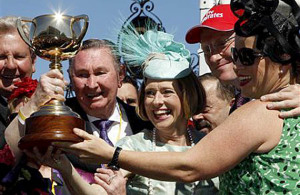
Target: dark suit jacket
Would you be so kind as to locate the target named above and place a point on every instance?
(4, 112)
(135, 122)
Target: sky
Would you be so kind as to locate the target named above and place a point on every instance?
(106, 16)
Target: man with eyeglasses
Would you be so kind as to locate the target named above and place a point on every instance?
(216, 35)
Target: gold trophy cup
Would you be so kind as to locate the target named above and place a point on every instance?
(55, 38)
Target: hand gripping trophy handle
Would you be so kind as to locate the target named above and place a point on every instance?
(54, 38)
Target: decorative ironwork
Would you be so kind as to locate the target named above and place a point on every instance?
(195, 63)
(142, 19)
(141, 14)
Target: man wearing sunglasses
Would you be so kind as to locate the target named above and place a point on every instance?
(216, 36)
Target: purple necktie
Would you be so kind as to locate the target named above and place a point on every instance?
(103, 126)
(239, 101)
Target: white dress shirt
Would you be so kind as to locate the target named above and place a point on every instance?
(120, 127)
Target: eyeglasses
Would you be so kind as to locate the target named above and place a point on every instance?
(222, 46)
(246, 56)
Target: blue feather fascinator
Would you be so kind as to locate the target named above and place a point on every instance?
(156, 51)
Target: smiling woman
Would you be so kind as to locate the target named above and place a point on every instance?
(169, 96)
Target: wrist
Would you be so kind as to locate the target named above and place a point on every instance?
(114, 163)
(29, 108)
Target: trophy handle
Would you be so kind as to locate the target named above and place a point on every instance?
(21, 31)
(84, 28)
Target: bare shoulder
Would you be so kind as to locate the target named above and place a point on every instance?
(252, 121)
(255, 110)
(259, 123)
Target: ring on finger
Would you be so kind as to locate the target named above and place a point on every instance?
(56, 81)
(56, 89)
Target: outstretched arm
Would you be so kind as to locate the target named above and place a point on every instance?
(287, 98)
(219, 151)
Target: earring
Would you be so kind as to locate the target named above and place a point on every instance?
(280, 71)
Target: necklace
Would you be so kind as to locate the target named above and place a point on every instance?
(150, 186)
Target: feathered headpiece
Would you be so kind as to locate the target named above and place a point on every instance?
(160, 56)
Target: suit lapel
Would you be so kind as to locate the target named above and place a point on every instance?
(4, 111)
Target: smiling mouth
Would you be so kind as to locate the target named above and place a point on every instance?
(9, 80)
(202, 124)
(10, 77)
(161, 114)
(223, 64)
(244, 80)
(94, 95)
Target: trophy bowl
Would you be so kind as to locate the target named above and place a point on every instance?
(53, 37)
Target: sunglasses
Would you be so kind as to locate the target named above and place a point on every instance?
(246, 56)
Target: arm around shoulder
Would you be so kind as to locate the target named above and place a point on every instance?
(246, 131)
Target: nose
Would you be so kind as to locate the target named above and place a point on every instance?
(214, 58)
(92, 82)
(158, 99)
(198, 117)
(10, 63)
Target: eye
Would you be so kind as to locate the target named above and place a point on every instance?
(220, 44)
(130, 101)
(207, 109)
(2, 57)
(82, 75)
(149, 93)
(206, 49)
(168, 92)
(99, 73)
(19, 57)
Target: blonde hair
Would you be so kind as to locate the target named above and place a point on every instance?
(8, 24)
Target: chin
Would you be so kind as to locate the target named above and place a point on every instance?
(227, 77)
(162, 126)
(98, 105)
(250, 94)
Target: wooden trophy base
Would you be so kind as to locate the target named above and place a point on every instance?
(42, 130)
